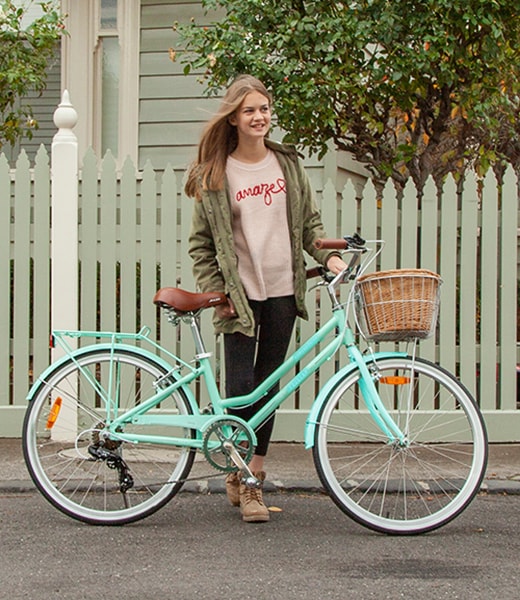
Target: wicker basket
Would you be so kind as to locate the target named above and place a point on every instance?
(398, 305)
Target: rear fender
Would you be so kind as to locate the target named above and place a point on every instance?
(111, 347)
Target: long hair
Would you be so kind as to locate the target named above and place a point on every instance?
(220, 138)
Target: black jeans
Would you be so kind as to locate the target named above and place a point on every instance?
(249, 360)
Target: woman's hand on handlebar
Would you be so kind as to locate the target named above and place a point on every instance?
(336, 264)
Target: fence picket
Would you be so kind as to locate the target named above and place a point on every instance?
(369, 214)
(128, 255)
(148, 243)
(170, 249)
(22, 278)
(467, 286)
(389, 227)
(169, 236)
(187, 282)
(107, 245)
(448, 244)
(88, 243)
(428, 218)
(409, 227)
(41, 263)
(328, 206)
(508, 299)
(488, 293)
(5, 289)
(429, 227)
(349, 209)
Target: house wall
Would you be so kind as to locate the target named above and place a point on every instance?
(172, 111)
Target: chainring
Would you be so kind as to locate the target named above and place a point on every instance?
(220, 432)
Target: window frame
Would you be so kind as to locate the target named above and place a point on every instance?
(82, 73)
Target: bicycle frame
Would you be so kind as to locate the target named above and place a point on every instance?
(173, 380)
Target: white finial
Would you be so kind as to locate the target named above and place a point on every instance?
(65, 116)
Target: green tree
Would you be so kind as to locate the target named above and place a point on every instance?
(24, 55)
(409, 87)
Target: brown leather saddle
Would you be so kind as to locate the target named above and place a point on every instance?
(184, 302)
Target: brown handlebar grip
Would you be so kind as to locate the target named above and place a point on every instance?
(331, 244)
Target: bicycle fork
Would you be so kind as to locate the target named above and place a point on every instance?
(372, 399)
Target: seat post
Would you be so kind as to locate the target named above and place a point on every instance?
(200, 349)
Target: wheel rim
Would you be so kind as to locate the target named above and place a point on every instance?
(389, 487)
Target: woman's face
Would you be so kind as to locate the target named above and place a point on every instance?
(253, 117)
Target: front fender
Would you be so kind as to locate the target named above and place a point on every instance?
(111, 347)
(310, 424)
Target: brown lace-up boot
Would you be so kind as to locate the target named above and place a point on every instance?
(233, 488)
(252, 505)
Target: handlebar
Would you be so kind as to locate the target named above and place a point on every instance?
(354, 242)
(331, 244)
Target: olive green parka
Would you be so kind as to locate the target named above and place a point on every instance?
(212, 249)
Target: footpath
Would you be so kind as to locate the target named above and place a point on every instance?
(289, 468)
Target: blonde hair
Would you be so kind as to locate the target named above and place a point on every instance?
(220, 138)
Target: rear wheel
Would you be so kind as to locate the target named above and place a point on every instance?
(86, 473)
(402, 488)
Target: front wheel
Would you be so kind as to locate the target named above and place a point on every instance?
(400, 488)
(85, 473)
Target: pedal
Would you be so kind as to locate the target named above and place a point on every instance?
(251, 481)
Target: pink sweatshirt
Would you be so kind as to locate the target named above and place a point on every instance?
(260, 227)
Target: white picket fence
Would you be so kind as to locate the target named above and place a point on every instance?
(91, 254)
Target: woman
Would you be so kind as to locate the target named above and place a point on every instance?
(254, 215)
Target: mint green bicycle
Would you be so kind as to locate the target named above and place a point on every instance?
(112, 429)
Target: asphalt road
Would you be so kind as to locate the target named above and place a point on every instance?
(197, 547)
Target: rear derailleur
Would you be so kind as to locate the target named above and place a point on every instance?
(98, 451)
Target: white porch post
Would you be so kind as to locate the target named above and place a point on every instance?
(64, 236)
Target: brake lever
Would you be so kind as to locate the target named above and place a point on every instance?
(356, 242)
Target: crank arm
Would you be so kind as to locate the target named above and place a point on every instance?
(250, 481)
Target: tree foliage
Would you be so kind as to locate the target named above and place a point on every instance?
(24, 56)
(409, 87)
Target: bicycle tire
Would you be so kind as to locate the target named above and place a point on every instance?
(393, 489)
(86, 487)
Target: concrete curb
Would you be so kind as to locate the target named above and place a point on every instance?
(217, 486)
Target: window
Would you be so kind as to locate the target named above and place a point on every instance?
(108, 18)
(109, 65)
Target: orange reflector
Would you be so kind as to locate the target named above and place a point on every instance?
(55, 411)
(395, 380)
